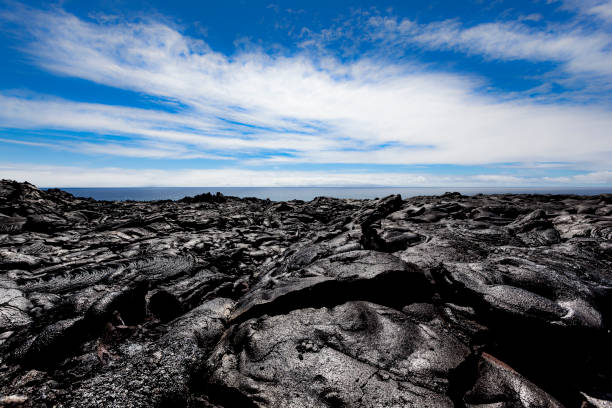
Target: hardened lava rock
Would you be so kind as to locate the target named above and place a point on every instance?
(488, 301)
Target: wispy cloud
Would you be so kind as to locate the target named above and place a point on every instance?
(580, 51)
(307, 106)
(189, 128)
(601, 9)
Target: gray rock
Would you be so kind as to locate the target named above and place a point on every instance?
(332, 302)
(157, 372)
(500, 386)
(351, 275)
(356, 354)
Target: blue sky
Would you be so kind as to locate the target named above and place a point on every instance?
(303, 93)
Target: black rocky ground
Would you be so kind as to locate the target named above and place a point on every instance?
(212, 301)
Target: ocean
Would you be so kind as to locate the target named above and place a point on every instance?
(308, 193)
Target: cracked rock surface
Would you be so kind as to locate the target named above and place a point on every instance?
(450, 301)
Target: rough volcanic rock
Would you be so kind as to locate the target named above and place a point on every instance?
(152, 370)
(356, 354)
(499, 385)
(215, 301)
(350, 275)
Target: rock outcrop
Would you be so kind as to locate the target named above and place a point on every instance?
(215, 301)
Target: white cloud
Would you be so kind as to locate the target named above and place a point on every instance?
(597, 177)
(581, 51)
(189, 128)
(318, 109)
(602, 9)
(395, 123)
(58, 176)
(531, 17)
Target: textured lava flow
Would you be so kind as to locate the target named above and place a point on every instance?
(213, 301)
